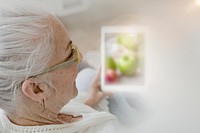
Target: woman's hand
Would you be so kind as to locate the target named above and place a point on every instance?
(95, 92)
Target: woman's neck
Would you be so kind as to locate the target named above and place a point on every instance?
(58, 119)
(43, 118)
(30, 113)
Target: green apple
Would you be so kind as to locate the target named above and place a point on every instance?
(128, 64)
(110, 63)
(128, 40)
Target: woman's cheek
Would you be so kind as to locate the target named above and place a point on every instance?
(74, 71)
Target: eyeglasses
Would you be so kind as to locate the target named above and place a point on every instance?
(73, 59)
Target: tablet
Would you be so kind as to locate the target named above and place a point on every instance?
(122, 58)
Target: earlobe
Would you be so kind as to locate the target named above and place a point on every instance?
(31, 89)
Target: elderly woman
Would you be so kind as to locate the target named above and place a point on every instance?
(38, 69)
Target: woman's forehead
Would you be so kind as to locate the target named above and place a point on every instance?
(60, 31)
(62, 41)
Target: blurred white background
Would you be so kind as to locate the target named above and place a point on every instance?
(172, 96)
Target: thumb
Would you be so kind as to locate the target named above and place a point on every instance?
(98, 76)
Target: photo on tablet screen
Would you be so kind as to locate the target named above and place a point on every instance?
(123, 58)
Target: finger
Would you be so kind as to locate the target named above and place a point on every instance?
(97, 86)
(98, 76)
(108, 93)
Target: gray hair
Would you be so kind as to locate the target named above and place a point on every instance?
(26, 46)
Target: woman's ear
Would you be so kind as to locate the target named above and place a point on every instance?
(33, 90)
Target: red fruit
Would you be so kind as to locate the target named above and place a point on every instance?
(111, 76)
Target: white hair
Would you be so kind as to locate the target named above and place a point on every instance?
(26, 46)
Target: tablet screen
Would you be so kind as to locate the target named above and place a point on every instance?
(122, 58)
